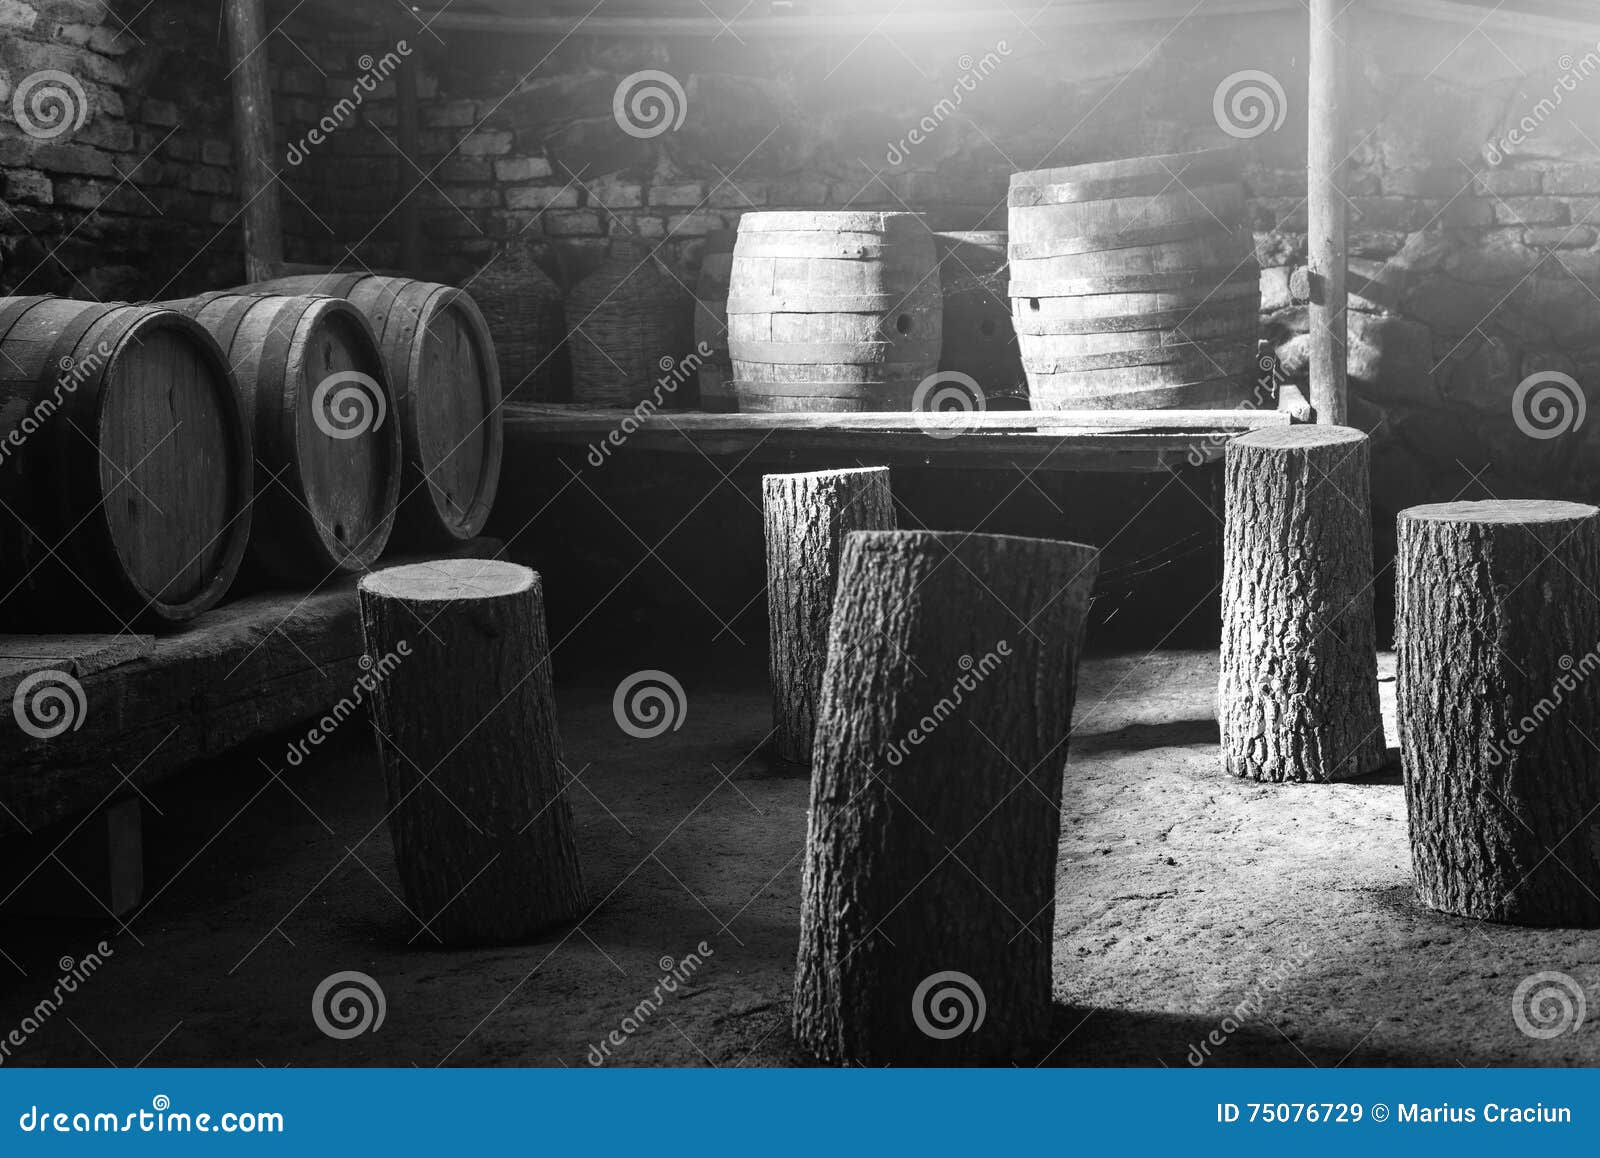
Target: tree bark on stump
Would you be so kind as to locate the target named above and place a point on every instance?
(466, 722)
(1298, 696)
(1498, 692)
(929, 879)
(807, 517)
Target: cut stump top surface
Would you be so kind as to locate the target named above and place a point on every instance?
(1301, 435)
(1500, 511)
(848, 470)
(447, 580)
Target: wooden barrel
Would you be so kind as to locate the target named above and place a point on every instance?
(326, 444)
(979, 340)
(832, 311)
(1134, 283)
(711, 322)
(446, 382)
(125, 466)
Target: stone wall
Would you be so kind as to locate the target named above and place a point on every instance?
(131, 195)
(1473, 203)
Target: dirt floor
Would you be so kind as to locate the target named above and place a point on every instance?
(1185, 898)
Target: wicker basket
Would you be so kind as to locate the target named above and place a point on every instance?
(630, 323)
(526, 317)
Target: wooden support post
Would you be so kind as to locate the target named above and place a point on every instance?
(255, 149)
(85, 867)
(466, 722)
(406, 132)
(1498, 695)
(1328, 212)
(807, 518)
(929, 880)
(1298, 697)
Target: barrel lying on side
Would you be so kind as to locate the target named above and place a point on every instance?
(832, 311)
(446, 382)
(125, 466)
(1134, 283)
(327, 448)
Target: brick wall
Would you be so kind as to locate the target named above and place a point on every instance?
(1475, 175)
(136, 200)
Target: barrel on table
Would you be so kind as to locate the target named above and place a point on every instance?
(446, 381)
(711, 322)
(125, 466)
(326, 444)
(979, 340)
(832, 311)
(1134, 283)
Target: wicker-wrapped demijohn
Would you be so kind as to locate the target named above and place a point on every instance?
(628, 327)
(442, 369)
(125, 466)
(327, 448)
(525, 312)
(1134, 283)
(833, 311)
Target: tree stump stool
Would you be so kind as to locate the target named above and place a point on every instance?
(1298, 696)
(466, 720)
(1498, 688)
(807, 518)
(928, 885)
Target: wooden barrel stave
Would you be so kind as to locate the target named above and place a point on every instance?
(1176, 362)
(1109, 313)
(1049, 393)
(1091, 226)
(1219, 254)
(126, 470)
(1129, 176)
